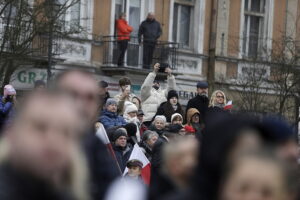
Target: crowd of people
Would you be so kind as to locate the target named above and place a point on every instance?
(52, 144)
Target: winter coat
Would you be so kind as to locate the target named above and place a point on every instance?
(151, 31)
(121, 101)
(17, 185)
(156, 154)
(152, 98)
(153, 128)
(110, 119)
(190, 113)
(146, 150)
(102, 168)
(6, 112)
(122, 155)
(200, 103)
(197, 127)
(161, 186)
(123, 29)
(167, 110)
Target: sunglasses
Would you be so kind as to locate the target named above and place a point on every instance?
(220, 97)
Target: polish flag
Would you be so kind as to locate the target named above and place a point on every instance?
(138, 154)
(228, 106)
(102, 135)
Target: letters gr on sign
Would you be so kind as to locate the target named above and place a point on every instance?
(30, 77)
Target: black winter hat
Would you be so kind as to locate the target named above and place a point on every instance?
(171, 94)
(131, 129)
(103, 84)
(118, 133)
(174, 128)
(39, 83)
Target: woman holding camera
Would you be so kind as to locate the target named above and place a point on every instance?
(7, 103)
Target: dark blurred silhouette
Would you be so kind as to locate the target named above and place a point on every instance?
(41, 156)
(84, 90)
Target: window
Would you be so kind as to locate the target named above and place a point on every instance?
(69, 14)
(182, 23)
(132, 8)
(75, 16)
(135, 15)
(254, 27)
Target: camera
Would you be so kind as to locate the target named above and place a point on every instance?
(163, 67)
(9, 98)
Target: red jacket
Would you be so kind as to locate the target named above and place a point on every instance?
(123, 29)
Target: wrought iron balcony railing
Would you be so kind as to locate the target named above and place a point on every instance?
(165, 52)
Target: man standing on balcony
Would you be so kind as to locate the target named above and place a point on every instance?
(123, 32)
(150, 29)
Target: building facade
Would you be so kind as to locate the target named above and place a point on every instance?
(213, 40)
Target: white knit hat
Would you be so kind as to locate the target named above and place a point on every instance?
(130, 107)
(160, 117)
(175, 115)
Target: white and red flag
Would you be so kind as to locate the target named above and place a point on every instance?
(138, 154)
(101, 133)
(228, 106)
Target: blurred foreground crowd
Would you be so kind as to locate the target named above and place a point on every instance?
(71, 141)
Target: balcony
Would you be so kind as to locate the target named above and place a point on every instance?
(165, 52)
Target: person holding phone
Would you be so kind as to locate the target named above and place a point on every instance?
(8, 101)
(124, 95)
(152, 95)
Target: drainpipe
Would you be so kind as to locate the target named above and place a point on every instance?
(212, 45)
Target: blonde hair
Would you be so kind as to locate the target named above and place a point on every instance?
(214, 96)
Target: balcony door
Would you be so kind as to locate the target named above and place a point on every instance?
(134, 12)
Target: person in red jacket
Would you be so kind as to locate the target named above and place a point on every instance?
(123, 33)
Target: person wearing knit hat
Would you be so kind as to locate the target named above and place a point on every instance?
(170, 107)
(176, 119)
(130, 113)
(111, 101)
(130, 116)
(7, 104)
(118, 133)
(159, 124)
(109, 116)
(121, 148)
(172, 94)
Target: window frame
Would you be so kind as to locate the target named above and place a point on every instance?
(266, 29)
(180, 4)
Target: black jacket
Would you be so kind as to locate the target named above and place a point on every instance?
(17, 185)
(146, 149)
(156, 155)
(103, 170)
(161, 187)
(151, 31)
(200, 103)
(123, 155)
(167, 110)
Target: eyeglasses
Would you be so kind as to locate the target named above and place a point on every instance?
(220, 97)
